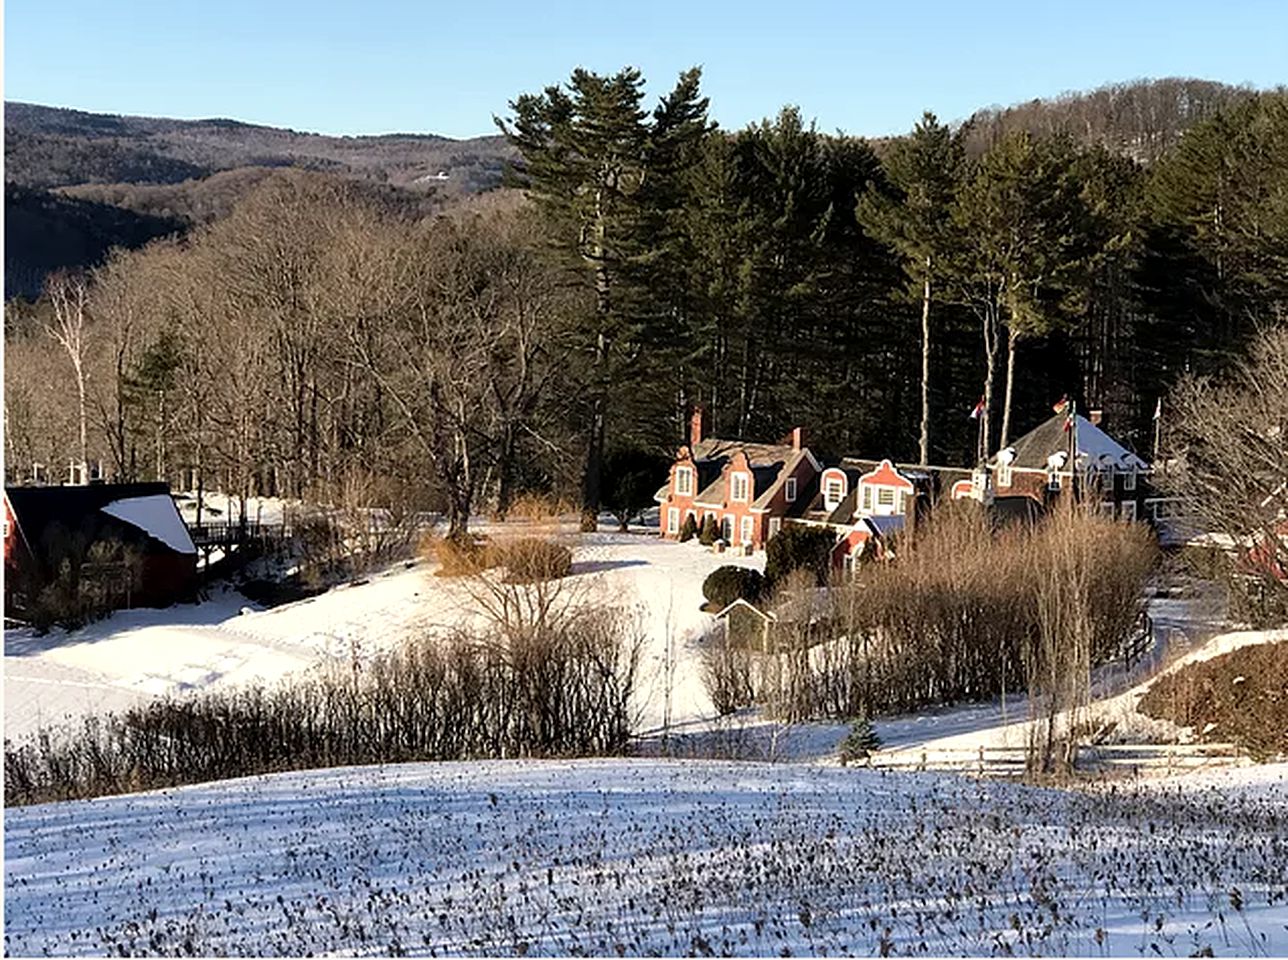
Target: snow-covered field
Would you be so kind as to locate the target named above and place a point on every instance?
(647, 856)
(136, 654)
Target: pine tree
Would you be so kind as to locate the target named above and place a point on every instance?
(602, 173)
(1025, 248)
(915, 219)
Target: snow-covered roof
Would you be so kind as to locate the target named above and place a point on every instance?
(1096, 448)
(155, 515)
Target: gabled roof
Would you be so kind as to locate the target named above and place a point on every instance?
(143, 512)
(1034, 450)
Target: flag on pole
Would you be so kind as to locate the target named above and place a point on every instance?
(978, 411)
(1067, 407)
(1158, 409)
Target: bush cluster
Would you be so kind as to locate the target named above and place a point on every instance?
(799, 548)
(964, 614)
(1239, 697)
(560, 690)
(729, 583)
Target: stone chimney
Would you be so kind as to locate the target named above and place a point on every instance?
(697, 426)
(1095, 416)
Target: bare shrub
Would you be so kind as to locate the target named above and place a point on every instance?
(562, 691)
(726, 673)
(530, 559)
(961, 615)
(1229, 461)
(1241, 696)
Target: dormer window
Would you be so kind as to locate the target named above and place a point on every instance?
(833, 492)
(739, 486)
(789, 489)
(684, 481)
(885, 496)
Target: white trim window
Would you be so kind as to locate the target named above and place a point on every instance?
(684, 481)
(833, 492)
(1107, 508)
(1003, 474)
(739, 485)
(673, 520)
(745, 534)
(867, 498)
(885, 498)
(1129, 480)
(789, 489)
(1127, 511)
(775, 524)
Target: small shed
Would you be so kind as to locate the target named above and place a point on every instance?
(746, 625)
(125, 543)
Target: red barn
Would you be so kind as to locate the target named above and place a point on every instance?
(127, 539)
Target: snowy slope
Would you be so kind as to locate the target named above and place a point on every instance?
(603, 857)
(111, 664)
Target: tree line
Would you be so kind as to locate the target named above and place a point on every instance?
(647, 261)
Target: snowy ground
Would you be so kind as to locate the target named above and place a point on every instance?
(647, 856)
(136, 654)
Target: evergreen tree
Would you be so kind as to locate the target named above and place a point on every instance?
(603, 174)
(915, 219)
(1025, 249)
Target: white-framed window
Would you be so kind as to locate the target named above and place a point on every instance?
(1107, 508)
(726, 529)
(1129, 480)
(673, 520)
(867, 498)
(1004, 475)
(789, 489)
(739, 486)
(1127, 510)
(684, 481)
(775, 524)
(833, 492)
(885, 496)
(748, 525)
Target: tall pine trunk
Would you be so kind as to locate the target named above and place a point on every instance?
(925, 368)
(1011, 340)
(592, 480)
(990, 361)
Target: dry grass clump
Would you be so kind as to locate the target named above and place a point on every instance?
(1239, 697)
(532, 559)
(459, 556)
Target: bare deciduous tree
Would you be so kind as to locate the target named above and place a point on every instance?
(1227, 440)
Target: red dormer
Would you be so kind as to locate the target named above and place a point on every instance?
(884, 492)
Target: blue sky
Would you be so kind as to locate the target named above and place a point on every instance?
(397, 65)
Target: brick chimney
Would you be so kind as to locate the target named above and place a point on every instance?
(798, 437)
(697, 426)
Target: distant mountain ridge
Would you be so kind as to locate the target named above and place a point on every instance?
(49, 147)
(79, 183)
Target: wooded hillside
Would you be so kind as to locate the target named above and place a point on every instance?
(326, 334)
